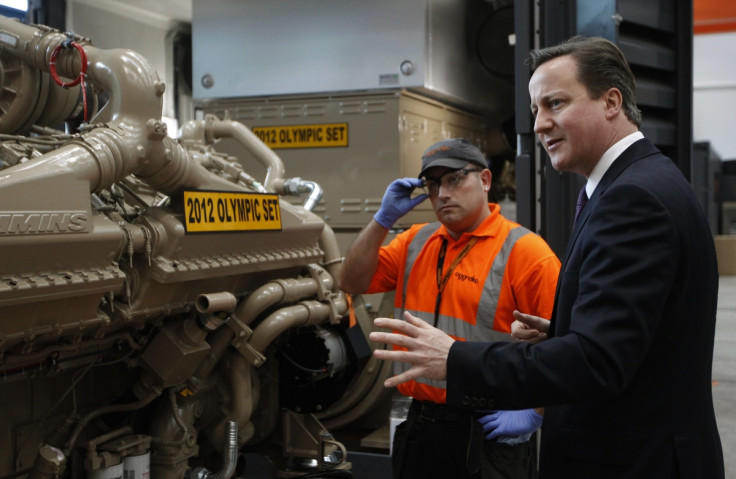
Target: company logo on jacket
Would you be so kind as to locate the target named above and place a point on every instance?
(465, 277)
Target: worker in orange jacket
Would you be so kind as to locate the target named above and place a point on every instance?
(464, 274)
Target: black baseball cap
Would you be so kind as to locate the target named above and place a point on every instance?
(453, 153)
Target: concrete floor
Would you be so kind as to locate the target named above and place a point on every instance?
(724, 371)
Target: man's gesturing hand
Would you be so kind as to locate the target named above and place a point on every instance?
(427, 348)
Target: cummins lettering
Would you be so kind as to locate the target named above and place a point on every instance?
(45, 222)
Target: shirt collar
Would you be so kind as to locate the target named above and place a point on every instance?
(607, 160)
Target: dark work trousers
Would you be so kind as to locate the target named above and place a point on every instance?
(440, 442)
(502, 461)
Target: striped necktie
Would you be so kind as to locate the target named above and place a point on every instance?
(582, 199)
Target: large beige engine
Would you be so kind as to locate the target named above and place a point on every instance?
(160, 309)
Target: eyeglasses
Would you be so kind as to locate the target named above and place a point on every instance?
(450, 180)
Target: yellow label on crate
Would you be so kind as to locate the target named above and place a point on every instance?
(210, 211)
(326, 135)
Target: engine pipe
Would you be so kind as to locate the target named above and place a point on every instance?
(126, 136)
(211, 128)
(230, 454)
(245, 395)
(216, 302)
(297, 186)
(304, 313)
(333, 259)
(280, 291)
(217, 128)
(101, 411)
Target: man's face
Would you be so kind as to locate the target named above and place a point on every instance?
(571, 126)
(460, 198)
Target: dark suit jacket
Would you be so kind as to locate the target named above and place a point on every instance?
(626, 374)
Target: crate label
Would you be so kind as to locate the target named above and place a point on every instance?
(326, 135)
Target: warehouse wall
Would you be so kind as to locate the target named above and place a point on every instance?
(714, 74)
(714, 91)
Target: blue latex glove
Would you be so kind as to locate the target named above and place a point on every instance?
(500, 424)
(397, 201)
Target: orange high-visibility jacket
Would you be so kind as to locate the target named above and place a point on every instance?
(508, 268)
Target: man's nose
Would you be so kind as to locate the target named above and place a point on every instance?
(443, 191)
(542, 122)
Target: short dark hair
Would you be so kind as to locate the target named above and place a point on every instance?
(601, 65)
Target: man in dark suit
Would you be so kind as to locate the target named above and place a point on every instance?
(625, 372)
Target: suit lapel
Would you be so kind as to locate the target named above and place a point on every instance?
(637, 151)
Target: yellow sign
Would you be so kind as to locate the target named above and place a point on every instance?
(326, 135)
(209, 211)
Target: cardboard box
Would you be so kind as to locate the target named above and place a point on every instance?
(726, 252)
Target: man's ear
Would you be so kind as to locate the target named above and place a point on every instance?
(614, 102)
(486, 177)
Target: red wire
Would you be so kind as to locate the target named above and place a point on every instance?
(82, 73)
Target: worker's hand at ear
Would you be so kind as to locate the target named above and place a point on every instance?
(397, 201)
(531, 329)
(427, 348)
(501, 424)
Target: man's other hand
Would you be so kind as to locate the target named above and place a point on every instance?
(501, 424)
(531, 329)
